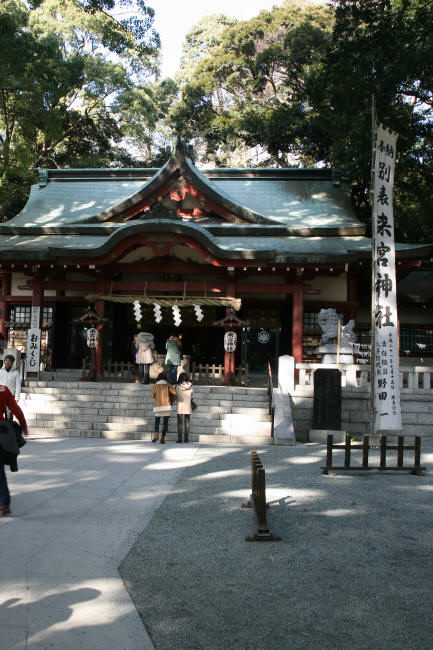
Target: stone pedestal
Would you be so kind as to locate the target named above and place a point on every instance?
(321, 435)
(329, 351)
(286, 374)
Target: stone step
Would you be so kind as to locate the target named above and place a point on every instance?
(204, 426)
(125, 411)
(143, 396)
(136, 423)
(237, 440)
(57, 412)
(246, 439)
(124, 386)
(140, 398)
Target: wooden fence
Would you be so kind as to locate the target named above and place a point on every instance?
(207, 373)
(200, 373)
(384, 447)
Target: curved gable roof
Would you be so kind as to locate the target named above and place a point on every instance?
(180, 166)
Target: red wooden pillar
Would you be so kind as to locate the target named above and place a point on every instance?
(4, 306)
(99, 352)
(297, 323)
(38, 296)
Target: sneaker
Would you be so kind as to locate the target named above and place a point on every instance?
(5, 511)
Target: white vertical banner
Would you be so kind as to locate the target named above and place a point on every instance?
(386, 376)
(33, 350)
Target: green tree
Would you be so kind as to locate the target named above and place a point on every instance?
(251, 89)
(142, 112)
(381, 49)
(64, 65)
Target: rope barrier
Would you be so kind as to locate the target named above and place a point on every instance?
(169, 301)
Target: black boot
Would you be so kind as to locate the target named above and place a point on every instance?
(179, 428)
(187, 418)
(145, 379)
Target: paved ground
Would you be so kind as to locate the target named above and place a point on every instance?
(353, 569)
(78, 505)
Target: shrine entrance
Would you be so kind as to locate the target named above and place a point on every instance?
(200, 340)
(268, 335)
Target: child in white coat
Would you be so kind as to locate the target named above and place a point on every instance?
(184, 396)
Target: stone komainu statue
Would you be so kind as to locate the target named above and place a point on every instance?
(347, 333)
(328, 321)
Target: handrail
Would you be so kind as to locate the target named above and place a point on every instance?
(271, 398)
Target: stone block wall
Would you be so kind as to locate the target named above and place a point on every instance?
(417, 413)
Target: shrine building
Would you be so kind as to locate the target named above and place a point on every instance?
(275, 245)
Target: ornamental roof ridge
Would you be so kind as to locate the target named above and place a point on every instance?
(179, 165)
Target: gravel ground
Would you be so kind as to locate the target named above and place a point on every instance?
(353, 569)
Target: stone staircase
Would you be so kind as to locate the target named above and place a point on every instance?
(122, 411)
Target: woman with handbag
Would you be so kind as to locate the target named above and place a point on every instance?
(185, 406)
(163, 394)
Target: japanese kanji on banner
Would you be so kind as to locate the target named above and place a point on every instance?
(385, 376)
(33, 350)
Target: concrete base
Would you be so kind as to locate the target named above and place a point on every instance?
(329, 351)
(321, 435)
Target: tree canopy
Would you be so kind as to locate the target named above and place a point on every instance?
(293, 86)
(296, 85)
(65, 65)
(382, 49)
(250, 87)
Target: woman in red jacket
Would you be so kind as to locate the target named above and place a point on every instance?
(6, 399)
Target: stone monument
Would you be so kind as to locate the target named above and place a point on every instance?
(327, 406)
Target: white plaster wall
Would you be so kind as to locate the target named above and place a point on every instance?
(17, 280)
(331, 288)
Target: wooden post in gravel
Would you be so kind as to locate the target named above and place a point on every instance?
(258, 502)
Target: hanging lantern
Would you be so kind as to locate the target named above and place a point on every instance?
(230, 340)
(92, 337)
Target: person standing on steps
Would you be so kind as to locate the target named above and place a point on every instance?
(163, 394)
(10, 378)
(184, 396)
(173, 357)
(133, 352)
(145, 345)
(7, 400)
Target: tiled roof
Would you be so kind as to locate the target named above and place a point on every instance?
(285, 213)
